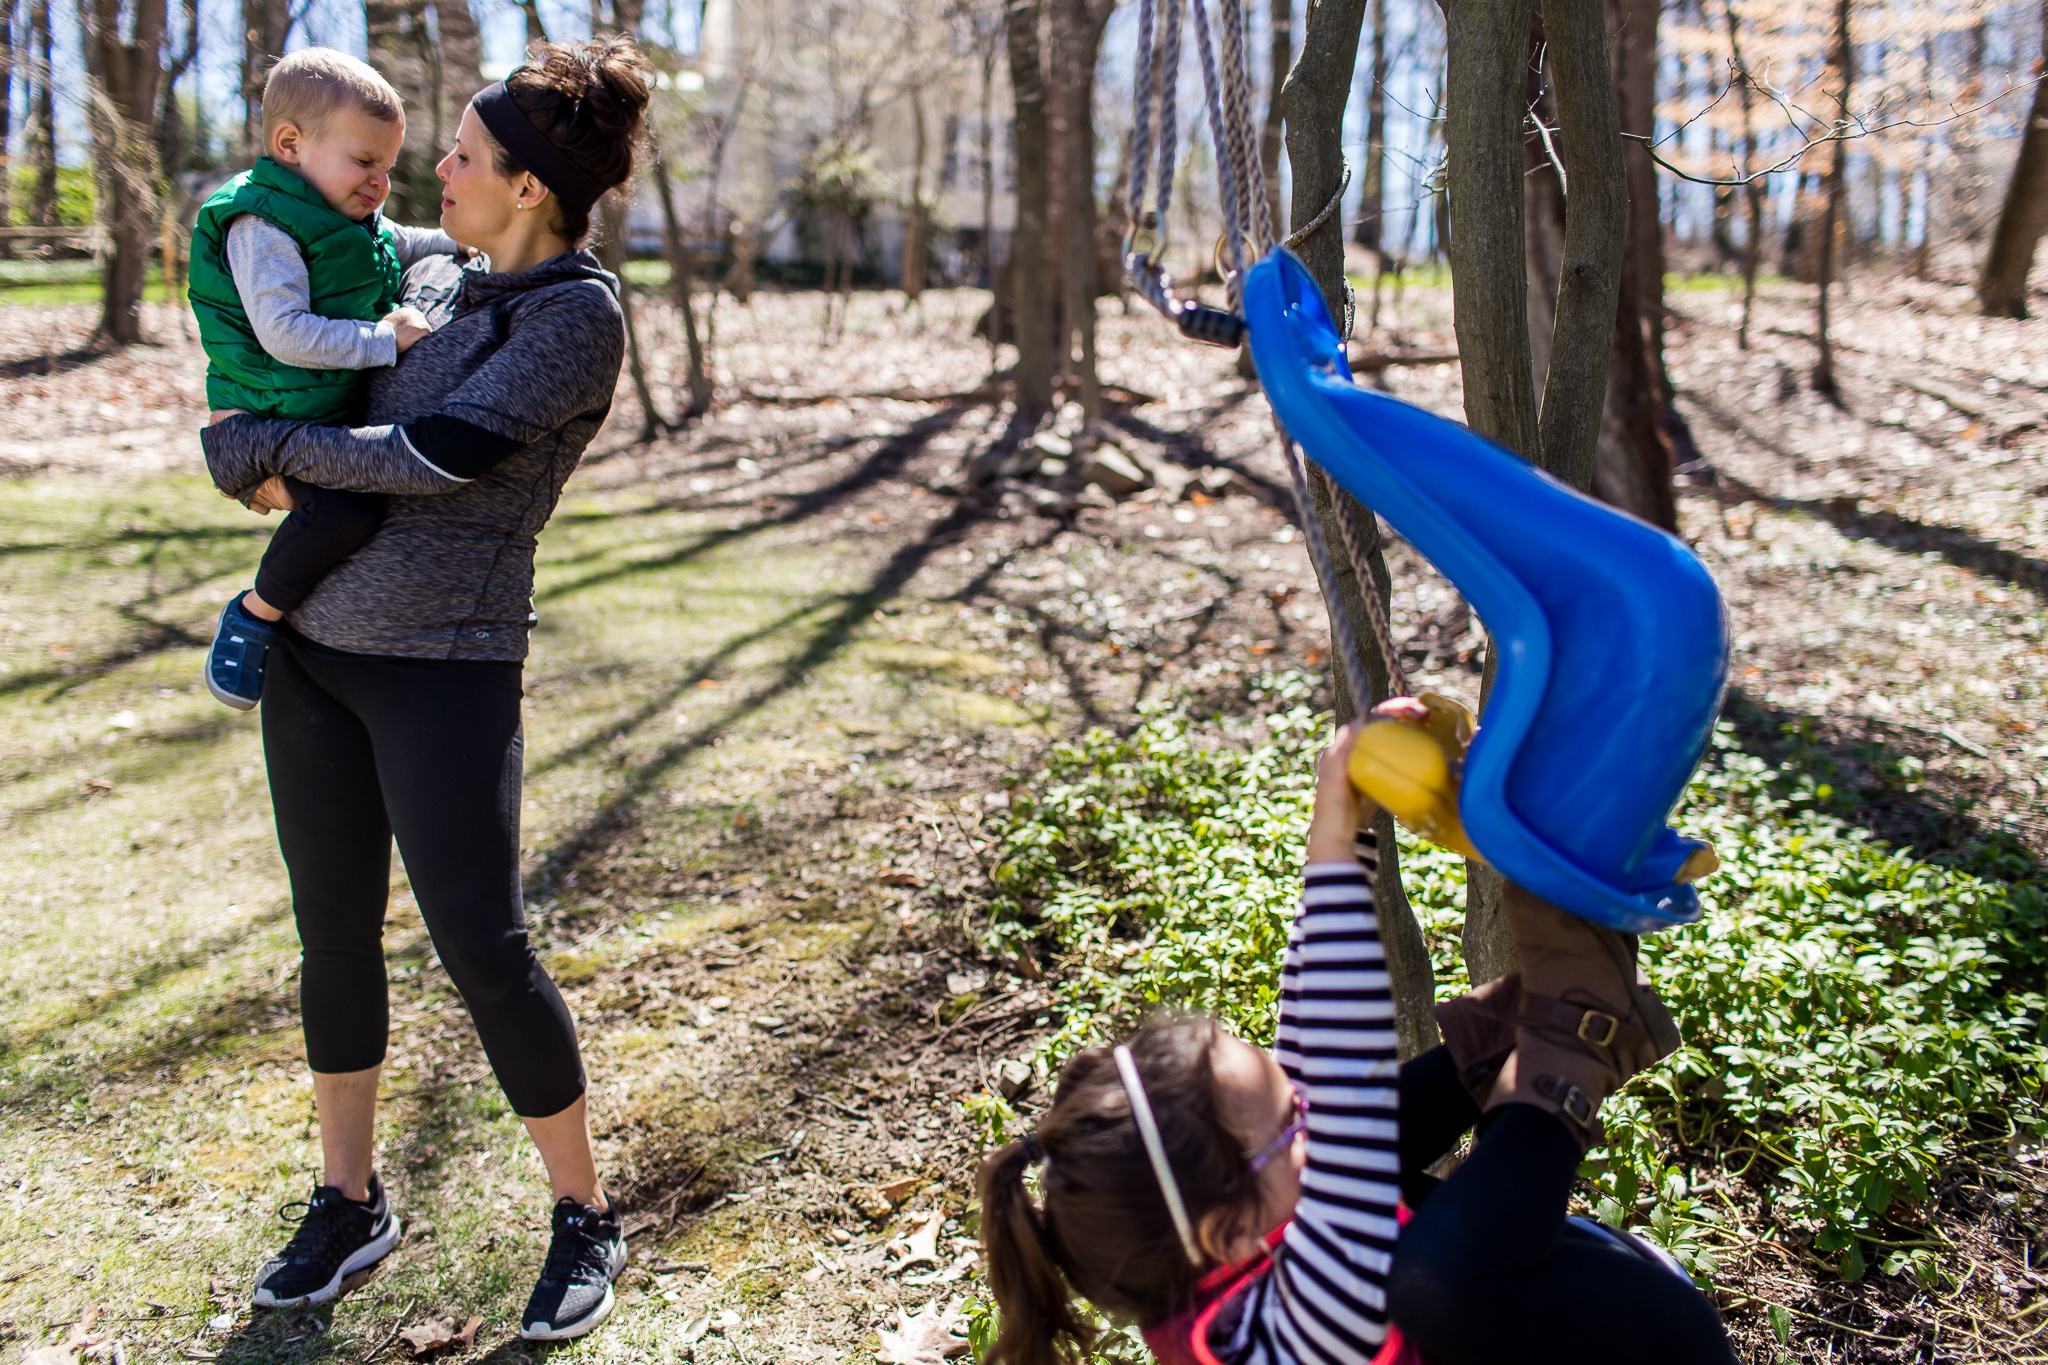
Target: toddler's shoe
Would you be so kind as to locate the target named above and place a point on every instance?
(234, 666)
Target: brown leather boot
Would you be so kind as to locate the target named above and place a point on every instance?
(1479, 1030)
(1589, 1019)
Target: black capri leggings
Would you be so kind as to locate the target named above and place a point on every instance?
(363, 747)
(1488, 1270)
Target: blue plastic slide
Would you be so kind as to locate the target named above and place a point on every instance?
(1613, 649)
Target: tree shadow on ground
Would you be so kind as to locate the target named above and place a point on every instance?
(77, 358)
(1964, 549)
(885, 462)
(1879, 775)
(619, 811)
(1190, 449)
(228, 1015)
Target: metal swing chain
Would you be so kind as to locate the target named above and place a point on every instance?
(1241, 193)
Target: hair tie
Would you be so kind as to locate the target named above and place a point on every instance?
(530, 147)
(1148, 1131)
(1033, 1153)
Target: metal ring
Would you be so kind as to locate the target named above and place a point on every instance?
(1148, 223)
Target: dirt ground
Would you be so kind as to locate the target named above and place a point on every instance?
(784, 675)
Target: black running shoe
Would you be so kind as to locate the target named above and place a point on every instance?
(336, 1238)
(575, 1290)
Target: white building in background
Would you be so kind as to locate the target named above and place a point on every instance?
(801, 73)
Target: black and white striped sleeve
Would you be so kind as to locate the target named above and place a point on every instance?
(1325, 1302)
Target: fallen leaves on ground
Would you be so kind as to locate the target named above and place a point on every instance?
(81, 1338)
(924, 1339)
(432, 1335)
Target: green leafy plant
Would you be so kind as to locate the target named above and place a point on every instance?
(1856, 1018)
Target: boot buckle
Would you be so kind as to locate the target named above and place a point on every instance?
(1600, 1023)
(1575, 1103)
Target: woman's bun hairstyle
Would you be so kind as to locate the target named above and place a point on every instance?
(590, 99)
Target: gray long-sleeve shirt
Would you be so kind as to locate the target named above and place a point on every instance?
(474, 433)
(277, 294)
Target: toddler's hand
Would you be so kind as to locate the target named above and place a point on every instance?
(410, 324)
(272, 496)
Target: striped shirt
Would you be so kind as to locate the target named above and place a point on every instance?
(1323, 1300)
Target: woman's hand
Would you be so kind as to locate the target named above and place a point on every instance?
(219, 415)
(1340, 809)
(272, 496)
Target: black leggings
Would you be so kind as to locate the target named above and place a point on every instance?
(1488, 1270)
(361, 747)
(326, 526)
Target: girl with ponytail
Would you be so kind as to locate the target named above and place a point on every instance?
(1252, 1209)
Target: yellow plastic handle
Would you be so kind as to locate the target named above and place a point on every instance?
(1412, 769)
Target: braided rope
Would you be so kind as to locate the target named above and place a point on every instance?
(1241, 195)
(1169, 103)
(1141, 117)
(1237, 100)
(1375, 610)
(1341, 636)
(1227, 166)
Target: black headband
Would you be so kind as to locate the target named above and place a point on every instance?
(530, 147)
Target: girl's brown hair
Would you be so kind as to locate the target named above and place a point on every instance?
(589, 99)
(1103, 1230)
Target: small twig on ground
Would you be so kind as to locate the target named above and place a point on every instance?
(847, 1110)
(392, 1336)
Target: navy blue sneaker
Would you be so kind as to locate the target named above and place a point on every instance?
(575, 1290)
(337, 1237)
(234, 666)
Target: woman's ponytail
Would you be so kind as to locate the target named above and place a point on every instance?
(1040, 1323)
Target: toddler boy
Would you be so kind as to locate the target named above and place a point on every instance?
(294, 276)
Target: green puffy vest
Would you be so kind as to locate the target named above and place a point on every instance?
(352, 266)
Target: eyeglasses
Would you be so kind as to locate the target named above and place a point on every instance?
(1286, 1136)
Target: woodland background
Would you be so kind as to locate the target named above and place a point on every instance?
(929, 661)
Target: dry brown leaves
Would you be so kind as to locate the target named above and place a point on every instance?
(435, 1333)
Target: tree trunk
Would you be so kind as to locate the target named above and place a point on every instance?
(170, 122)
(1831, 213)
(1313, 100)
(1280, 58)
(1543, 211)
(1031, 295)
(614, 210)
(1488, 241)
(1486, 48)
(988, 197)
(45, 111)
(126, 72)
(914, 218)
(1634, 43)
(1081, 23)
(680, 283)
(536, 31)
(2002, 288)
(1753, 250)
(265, 25)
(1632, 460)
(7, 74)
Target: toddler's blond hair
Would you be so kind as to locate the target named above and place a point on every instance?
(309, 85)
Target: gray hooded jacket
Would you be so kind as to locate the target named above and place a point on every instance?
(473, 433)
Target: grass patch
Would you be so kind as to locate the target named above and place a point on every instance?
(53, 282)
(154, 1108)
(1857, 1019)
